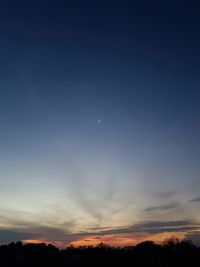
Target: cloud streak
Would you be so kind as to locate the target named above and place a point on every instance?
(151, 227)
(161, 208)
(65, 236)
(197, 199)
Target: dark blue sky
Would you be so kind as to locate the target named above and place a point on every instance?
(65, 65)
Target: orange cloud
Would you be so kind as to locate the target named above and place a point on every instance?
(126, 239)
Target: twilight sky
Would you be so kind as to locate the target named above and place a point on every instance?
(99, 121)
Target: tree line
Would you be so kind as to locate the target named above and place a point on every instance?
(171, 253)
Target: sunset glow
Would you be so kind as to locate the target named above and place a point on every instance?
(99, 122)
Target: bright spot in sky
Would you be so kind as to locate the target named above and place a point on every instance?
(99, 121)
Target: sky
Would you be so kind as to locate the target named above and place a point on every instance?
(99, 121)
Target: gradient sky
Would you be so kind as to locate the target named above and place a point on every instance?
(99, 121)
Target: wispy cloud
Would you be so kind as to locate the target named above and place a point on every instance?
(94, 196)
(162, 207)
(54, 235)
(151, 227)
(49, 234)
(196, 199)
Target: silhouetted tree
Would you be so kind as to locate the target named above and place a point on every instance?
(171, 253)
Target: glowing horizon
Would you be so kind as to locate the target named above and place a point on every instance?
(99, 121)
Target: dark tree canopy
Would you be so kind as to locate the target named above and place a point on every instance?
(171, 253)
